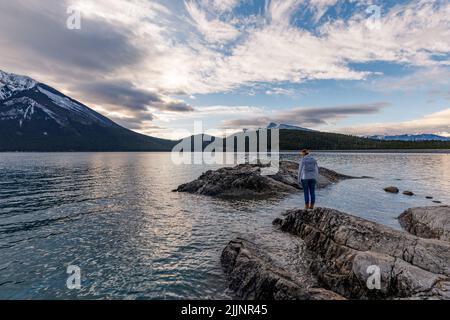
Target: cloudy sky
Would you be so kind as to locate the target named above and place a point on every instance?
(360, 67)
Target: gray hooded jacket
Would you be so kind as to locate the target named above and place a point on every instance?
(308, 169)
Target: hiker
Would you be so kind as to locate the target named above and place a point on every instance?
(308, 174)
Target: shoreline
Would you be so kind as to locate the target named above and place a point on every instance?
(380, 151)
(437, 151)
(329, 254)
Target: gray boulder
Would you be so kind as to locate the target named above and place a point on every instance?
(246, 181)
(427, 222)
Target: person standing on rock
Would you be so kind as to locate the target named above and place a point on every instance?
(308, 174)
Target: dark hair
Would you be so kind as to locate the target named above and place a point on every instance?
(305, 151)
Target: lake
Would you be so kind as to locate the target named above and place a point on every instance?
(114, 216)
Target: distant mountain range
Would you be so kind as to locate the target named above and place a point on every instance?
(411, 137)
(274, 125)
(36, 117)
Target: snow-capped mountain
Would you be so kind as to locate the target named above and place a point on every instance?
(11, 83)
(36, 117)
(25, 100)
(411, 137)
(274, 125)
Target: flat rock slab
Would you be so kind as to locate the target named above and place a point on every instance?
(246, 181)
(427, 222)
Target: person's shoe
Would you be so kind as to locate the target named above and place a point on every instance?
(307, 206)
(311, 207)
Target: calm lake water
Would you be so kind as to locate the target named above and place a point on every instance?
(114, 216)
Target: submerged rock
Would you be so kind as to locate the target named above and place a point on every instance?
(246, 180)
(392, 190)
(343, 254)
(427, 222)
(408, 193)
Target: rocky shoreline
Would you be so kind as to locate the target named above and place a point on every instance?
(324, 254)
(339, 252)
(247, 181)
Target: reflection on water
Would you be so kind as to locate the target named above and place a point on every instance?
(115, 217)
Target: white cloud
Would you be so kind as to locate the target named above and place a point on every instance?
(409, 34)
(432, 78)
(275, 51)
(280, 91)
(437, 123)
(280, 11)
(214, 30)
(206, 49)
(223, 5)
(270, 51)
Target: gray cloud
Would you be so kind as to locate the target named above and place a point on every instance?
(308, 116)
(135, 120)
(35, 40)
(40, 33)
(125, 94)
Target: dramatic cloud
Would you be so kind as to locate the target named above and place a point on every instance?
(38, 34)
(308, 116)
(268, 48)
(142, 58)
(125, 94)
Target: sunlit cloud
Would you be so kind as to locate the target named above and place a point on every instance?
(438, 123)
(157, 54)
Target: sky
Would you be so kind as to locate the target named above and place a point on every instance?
(162, 67)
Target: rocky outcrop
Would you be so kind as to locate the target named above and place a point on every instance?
(254, 276)
(246, 181)
(427, 222)
(341, 257)
(347, 249)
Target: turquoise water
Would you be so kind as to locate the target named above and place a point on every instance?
(114, 216)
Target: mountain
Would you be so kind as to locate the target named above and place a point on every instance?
(411, 137)
(274, 125)
(297, 140)
(36, 117)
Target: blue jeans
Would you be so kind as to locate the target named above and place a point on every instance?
(309, 188)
